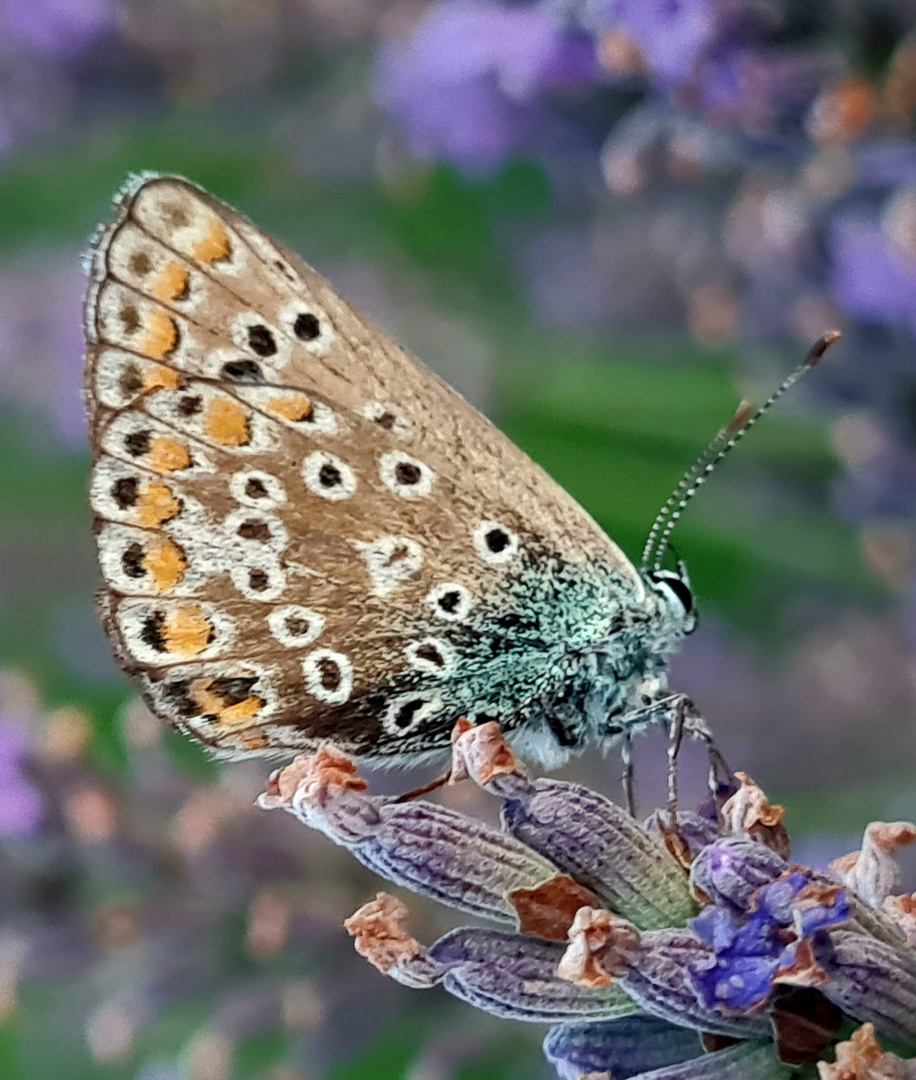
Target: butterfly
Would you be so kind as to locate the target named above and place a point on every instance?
(303, 534)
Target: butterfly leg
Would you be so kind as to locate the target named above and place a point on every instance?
(626, 755)
(419, 792)
(676, 727)
(685, 719)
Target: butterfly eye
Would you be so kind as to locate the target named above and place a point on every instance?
(675, 588)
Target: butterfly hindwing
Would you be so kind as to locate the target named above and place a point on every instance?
(302, 532)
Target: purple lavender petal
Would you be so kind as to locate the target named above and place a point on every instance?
(602, 847)
(731, 870)
(621, 1048)
(748, 950)
(660, 981)
(514, 976)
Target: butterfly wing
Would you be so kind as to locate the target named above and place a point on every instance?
(302, 532)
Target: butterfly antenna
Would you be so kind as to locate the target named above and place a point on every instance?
(725, 441)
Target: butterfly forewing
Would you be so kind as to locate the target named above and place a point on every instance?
(302, 532)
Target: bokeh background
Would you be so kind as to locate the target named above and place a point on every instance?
(605, 221)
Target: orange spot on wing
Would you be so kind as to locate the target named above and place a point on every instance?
(291, 407)
(187, 631)
(237, 715)
(214, 245)
(167, 455)
(161, 335)
(156, 505)
(160, 377)
(165, 561)
(227, 423)
(172, 283)
(255, 740)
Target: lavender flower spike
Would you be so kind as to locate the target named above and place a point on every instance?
(428, 848)
(602, 940)
(503, 974)
(583, 833)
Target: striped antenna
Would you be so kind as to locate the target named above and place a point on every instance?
(722, 445)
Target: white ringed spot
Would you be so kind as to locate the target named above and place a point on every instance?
(326, 475)
(309, 326)
(295, 626)
(256, 337)
(495, 543)
(390, 560)
(262, 580)
(450, 601)
(328, 676)
(410, 711)
(387, 417)
(405, 476)
(431, 655)
(252, 533)
(257, 489)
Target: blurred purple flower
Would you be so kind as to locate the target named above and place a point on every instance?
(466, 86)
(58, 28)
(672, 34)
(868, 278)
(54, 27)
(21, 803)
(41, 343)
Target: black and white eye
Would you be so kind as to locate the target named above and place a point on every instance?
(450, 601)
(405, 476)
(326, 475)
(676, 593)
(407, 713)
(495, 543)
